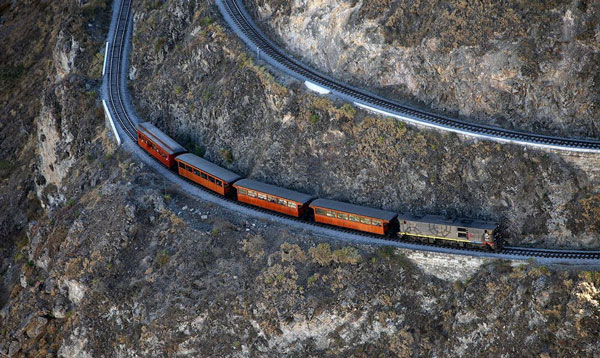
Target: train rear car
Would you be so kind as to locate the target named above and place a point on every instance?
(462, 232)
(271, 197)
(352, 216)
(158, 144)
(205, 173)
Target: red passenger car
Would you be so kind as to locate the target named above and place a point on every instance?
(205, 173)
(271, 197)
(352, 216)
(158, 144)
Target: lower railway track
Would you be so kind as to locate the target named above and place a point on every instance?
(116, 98)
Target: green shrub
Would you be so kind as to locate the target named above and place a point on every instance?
(159, 43)
(178, 90)
(227, 155)
(162, 258)
(321, 254)
(314, 118)
(205, 21)
(349, 110)
(346, 255)
(312, 279)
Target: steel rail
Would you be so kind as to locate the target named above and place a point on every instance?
(239, 19)
(114, 85)
(116, 102)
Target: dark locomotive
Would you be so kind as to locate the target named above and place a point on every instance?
(430, 229)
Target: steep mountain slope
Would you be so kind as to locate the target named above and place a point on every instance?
(530, 65)
(193, 79)
(103, 258)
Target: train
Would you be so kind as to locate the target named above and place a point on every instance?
(431, 229)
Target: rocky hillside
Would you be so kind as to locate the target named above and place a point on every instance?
(193, 78)
(101, 257)
(530, 65)
(155, 279)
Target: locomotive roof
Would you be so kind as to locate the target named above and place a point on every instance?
(442, 220)
(354, 209)
(208, 167)
(274, 190)
(159, 137)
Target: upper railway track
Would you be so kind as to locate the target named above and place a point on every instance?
(243, 25)
(114, 82)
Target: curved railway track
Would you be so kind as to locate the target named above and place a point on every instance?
(240, 21)
(116, 102)
(114, 64)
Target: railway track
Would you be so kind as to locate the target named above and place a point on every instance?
(115, 59)
(116, 101)
(239, 20)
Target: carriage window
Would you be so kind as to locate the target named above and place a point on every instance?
(320, 211)
(376, 223)
(196, 172)
(189, 169)
(342, 216)
(353, 218)
(365, 221)
(272, 199)
(181, 165)
(262, 196)
(331, 214)
(211, 179)
(203, 176)
(292, 205)
(462, 235)
(282, 202)
(219, 183)
(242, 191)
(251, 194)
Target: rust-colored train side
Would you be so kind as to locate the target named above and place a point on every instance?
(352, 216)
(205, 173)
(272, 197)
(158, 144)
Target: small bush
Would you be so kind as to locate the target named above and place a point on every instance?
(227, 155)
(159, 43)
(215, 232)
(349, 110)
(312, 279)
(5, 164)
(321, 254)
(167, 197)
(178, 90)
(162, 258)
(314, 118)
(206, 20)
(386, 252)
(346, 255)
(70, 202)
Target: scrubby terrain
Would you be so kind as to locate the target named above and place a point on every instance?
(193, 78)
(529, 65)
(100, 257)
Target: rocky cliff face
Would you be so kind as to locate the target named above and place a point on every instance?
(192, 78)
(530, 66)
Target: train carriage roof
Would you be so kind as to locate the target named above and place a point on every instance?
(208, 167)
(442, 220)
(353, 209)
(159, 137)
(274, 190)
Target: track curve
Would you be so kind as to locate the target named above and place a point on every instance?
(115, 95)
(242, 24)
